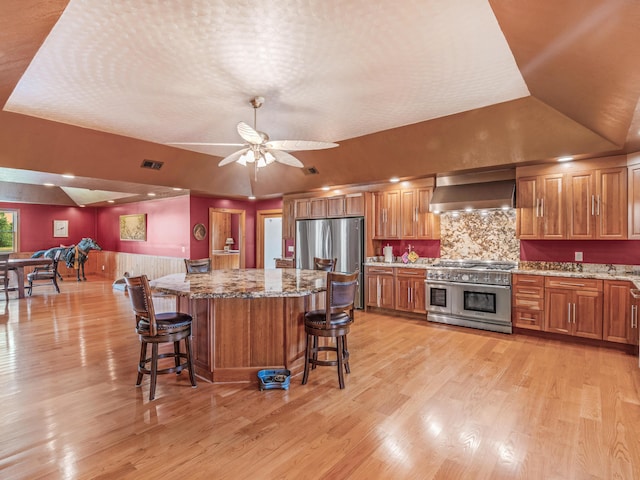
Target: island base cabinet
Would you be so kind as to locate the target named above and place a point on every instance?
(234, 338)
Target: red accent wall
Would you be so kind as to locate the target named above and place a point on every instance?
(168, 227)
(622, 252)
(424, 248)
(36, 225)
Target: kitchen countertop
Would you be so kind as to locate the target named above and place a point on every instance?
(629, 277)
(243, 283)
(398, 264)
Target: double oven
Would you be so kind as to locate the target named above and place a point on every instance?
(473, 294)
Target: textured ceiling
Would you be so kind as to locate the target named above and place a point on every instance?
(408, 88)
(330, 70)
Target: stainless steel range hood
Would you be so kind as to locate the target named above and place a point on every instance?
(474, 191)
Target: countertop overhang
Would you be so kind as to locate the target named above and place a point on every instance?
(243, 283)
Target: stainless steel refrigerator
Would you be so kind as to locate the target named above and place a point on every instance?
(341, 238)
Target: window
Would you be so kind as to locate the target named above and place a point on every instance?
(8, 230)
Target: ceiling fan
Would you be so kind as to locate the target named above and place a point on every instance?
(260, 150)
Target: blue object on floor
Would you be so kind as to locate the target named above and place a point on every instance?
(274, 379)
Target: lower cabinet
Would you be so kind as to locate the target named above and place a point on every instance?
(410, 290)
(380, 287)
(573, 306)
(527, 304)
(620, 313)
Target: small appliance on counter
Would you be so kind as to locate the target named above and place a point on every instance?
(388, 254)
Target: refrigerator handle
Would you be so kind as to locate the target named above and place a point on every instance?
(326, 244)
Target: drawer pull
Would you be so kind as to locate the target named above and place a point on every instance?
(526, 292)
(567, 284)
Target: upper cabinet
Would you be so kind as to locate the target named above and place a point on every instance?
(597, 204)
(416, 221)
(349, 205)
(578, 201)
(386, 207)
(634, 201)
(541, 209)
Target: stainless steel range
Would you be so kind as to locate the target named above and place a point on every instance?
(470, 293)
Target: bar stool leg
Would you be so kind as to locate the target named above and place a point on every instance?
(307, 359)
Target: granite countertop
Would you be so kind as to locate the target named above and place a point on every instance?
(421, 265)
(630, 277)
(243, 283)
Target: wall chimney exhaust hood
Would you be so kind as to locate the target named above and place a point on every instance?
(474, 191)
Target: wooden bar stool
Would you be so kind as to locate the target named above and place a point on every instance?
(333, 321)
(167, 327)
(326, 264)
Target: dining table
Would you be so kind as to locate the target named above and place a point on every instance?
(18, 265)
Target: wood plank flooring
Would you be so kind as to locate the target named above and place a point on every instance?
(423, 401)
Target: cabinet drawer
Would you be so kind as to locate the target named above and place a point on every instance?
(528, 302)
(526, 291)
(527, 280)
(573, 283)
(528, 319)
(411, 272)
(379, 270)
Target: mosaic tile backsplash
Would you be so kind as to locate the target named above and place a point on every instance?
(488, 235)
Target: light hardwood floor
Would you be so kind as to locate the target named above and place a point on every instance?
(422, 401)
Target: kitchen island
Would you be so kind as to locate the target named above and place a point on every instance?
(246, 320)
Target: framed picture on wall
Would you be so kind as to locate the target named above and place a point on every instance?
(61, 228)
(133, 227)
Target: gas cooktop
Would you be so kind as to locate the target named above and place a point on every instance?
(476, 264)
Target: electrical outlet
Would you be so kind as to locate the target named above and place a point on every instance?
(103, 268)
(578, 256)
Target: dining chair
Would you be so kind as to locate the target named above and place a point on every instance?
(4, 274)
(334, 321)
(47, 275)
(155, 329)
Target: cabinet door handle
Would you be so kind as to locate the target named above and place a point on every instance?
(526, 292)
(574, 313)
(568, 313)
(537, 207)
(542, 207)
(593, 205)
(598, 206)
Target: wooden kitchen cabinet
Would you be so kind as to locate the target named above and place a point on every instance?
(386, 214)
(633, 186)
(528, 301)
(318, 207)
(288, 220)
(410, 290)
(540, 202)
(380, 287)
(349, 205)
(597, 204)
(573, 306)
(416, 220)
(302, 207)
(620, 313)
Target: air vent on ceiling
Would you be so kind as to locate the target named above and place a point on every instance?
(152, 164)
(310, 171)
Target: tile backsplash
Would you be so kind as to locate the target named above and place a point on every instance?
(483, 235)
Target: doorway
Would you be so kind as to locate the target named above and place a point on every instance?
(227, 225)
(268, 238)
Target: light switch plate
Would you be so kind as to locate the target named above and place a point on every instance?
(290, 248)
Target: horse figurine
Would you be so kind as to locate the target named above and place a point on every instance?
(74, 256)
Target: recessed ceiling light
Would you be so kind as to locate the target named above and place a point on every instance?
(505, 208)
(394, 179)
(484, 213)
(565, 159)
(468, 209)
(177, 189)
(455, 214)
(110, 201)
(68, 175)
(326, 189)
(252, 197)
(151, 194)
(49, 185)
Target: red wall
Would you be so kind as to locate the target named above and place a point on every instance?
(36, 225)
(168, 227)
(424, 248)
(622, 252)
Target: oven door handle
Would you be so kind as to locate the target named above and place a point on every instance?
(480, 285)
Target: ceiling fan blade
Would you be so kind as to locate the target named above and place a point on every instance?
(233, 157)
(249, 134)
(297, 145)
(208, 144)
(286, 158)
